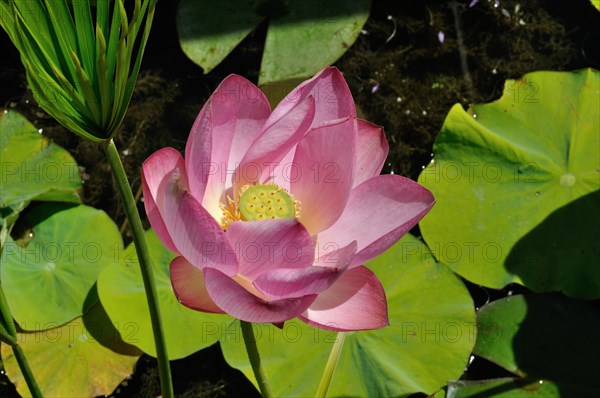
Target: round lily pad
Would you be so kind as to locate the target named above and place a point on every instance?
(517, 186)
(33, 168)
(431, 334)
(83, 358)
(121, 291)
(48, 275)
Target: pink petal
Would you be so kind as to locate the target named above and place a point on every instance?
(325, 160)
(238, 302)
(156, 174)
(228, 123)
(356, 301)
(273, 144)
(288, 283)
(184, 223)
(199, 238)
(189, 287)
(371, 150)
(332, 97)
(378, 213)
(264, 245)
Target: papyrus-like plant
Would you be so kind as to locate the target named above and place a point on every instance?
(81, 71)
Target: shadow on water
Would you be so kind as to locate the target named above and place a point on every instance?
(557, 341)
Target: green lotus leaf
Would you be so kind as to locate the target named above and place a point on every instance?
(517, 185)
(83, 358)
(47, 275)
(319, 30)
(210, 29)
(504, 388)
(33, 168)
(532, 337)
(121, 291)
(431, 334)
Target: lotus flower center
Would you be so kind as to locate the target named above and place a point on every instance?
(265, 201)
(260, 202)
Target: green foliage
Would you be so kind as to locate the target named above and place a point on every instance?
(121, 291)
(82, 358)
(541, 337)
(48, 275)
(431, 334)
(504, 388)
(82, 72)
(33, 168)
(304, 36)
(517, 186)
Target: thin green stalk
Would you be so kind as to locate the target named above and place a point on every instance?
(252, 349)
(5, 337)
(141, 248)
(8, 323)
(332, 362)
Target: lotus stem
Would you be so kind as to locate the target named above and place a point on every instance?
(141, 247)
(252, 349)
(462, 50)
(332, 362)
(9, 325)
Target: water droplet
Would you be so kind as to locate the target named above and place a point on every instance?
(407, 112)
(398, 99)
(40, 131)
(424, 113)
(474, 116)
(538, 193)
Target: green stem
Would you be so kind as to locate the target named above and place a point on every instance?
(5, 337)
(34, 389)
(8, 323)
(252, 350)
(141, 248)
(332, 361)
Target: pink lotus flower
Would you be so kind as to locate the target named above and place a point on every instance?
(273, 214)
